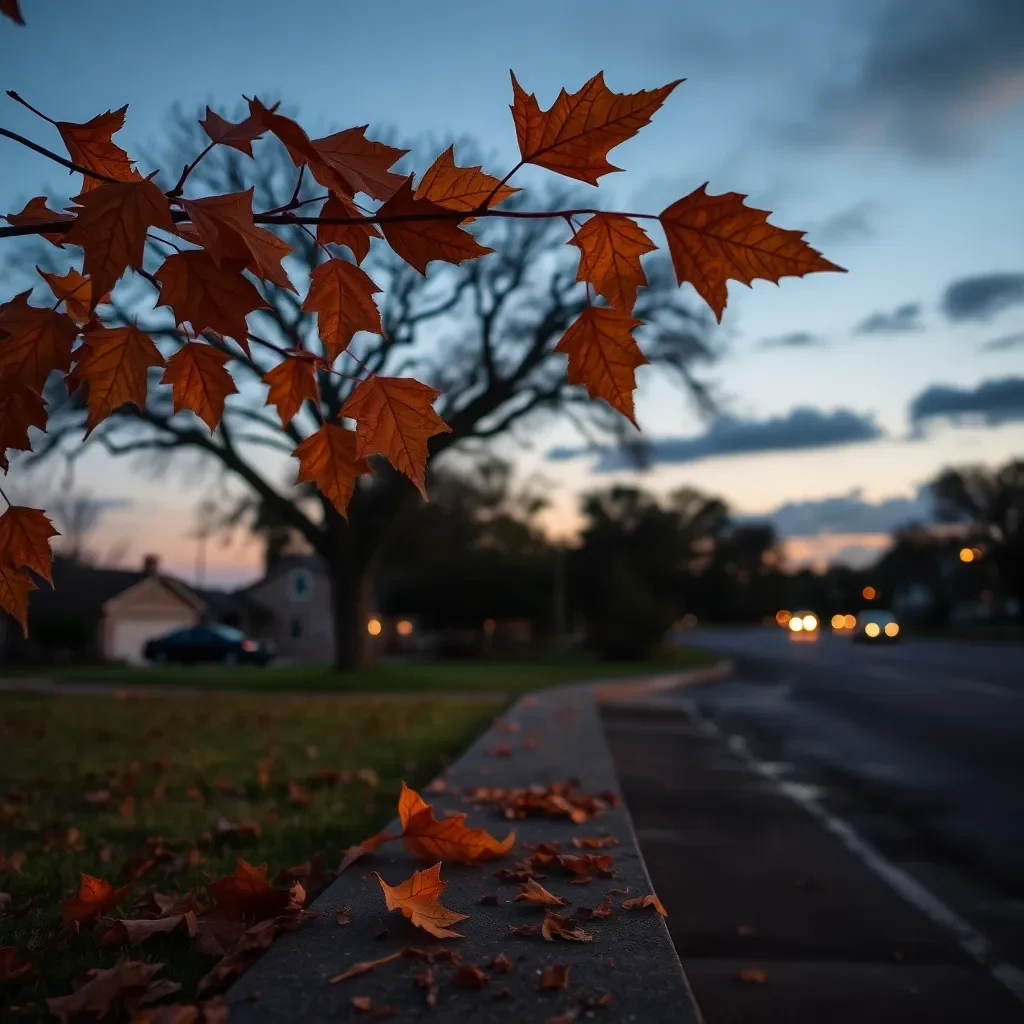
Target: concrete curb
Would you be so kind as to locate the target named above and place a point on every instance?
(551, 736)
(615, 693)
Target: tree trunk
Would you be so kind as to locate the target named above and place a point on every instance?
(351, 592)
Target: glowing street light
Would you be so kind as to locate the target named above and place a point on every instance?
(869, 593)
(967, 554)
(374, 627)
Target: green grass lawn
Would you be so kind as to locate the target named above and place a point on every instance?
(177, 769)
(425, 677)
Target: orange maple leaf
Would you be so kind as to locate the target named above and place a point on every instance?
(645, 902)
(395, 417)
(714, 238)
(460, 188)
(94, 897)
(341, 295)
(226, 230)
(208, 296)
(610, 249)
(574, 136)
(434, 235)
(111, 229)
(11, 9)
(247, 895)
(362, 163)
(200, 381)
(21, 407)
(603, 355)
(355, 236)
(448, 839)
(15, 586)
(75, 291)
(292, 382)
(328, 459)
(531, 891)
(417, 898)
(37, 212)
(238, 136)
(90, 145)
(113, 361)
(25, 540)
(34, 342)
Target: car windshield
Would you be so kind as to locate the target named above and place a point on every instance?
(227, 632)
(880, 617)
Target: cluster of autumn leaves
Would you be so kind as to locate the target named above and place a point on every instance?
(220, 239)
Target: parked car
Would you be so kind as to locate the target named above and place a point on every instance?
(877, 627)
(223, 644)
(803, 627)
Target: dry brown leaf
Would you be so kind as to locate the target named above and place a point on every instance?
(555, 926)
(469, 976)
(533, 892)
(554, 977)
(643, 902)
(417, 898)
(364, 968)
(95, 896)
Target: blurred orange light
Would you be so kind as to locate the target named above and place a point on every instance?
(490, 625)
(796, 624)
(872, 629)
(849, 621)
(891, 629)
(869, 593)
(966, 554)
(404, 627)
(782, 616)
(374, 627)
(838, 621)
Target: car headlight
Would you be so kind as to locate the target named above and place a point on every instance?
(810, 622)
(872, 629)
(796, 624)
(891, 629)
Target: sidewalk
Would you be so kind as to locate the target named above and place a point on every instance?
(773, 918)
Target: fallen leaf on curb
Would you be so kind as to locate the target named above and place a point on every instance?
(617, 892)
(124, 985)
(343, 916)
(425, 980)
(523, 929)
(353, 853)
(752, 976)
(95, 896)
(556, 926)
(501, 751)
(364, 967)
(417, 898)
(14, 964)
(362, 1004)
(501, 964)
(594, 842)
(450, 839)
(534, 892)
(555, 976)
(581, 880)
(643, 902)
(312, 872)
(134, 932)
(587, 863)
(469, 976)
(566, 1017)
(602, 910)
(601, 1002)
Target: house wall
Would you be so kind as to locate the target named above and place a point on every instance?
(301, 626)
(140, 613)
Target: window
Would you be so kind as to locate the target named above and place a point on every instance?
(227, 632)
(295, 627)
(300, 584)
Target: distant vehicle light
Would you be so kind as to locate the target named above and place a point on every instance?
(374, 627)
(838, 621)
(249, 645)
(404, 627)
(966, 554)
(869, 593)
(796, 624)
(872, 629)
(850, 621)
(782, 617)
(810, 622)
(891, 629)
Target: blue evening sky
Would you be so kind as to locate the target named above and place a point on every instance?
(891, 130)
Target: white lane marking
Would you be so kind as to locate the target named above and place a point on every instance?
(972, 941)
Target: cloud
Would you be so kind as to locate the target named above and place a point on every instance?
(901, 320)
(849, 225)
(800, 429)
(1007, 341)
(983, 296)
(795, 339)
(849, 514)
(993, 402)
(929, 77)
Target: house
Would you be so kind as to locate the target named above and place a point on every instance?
(94, 614)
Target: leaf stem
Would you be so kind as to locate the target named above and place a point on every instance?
(25, 103)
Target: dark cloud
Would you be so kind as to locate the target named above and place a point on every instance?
(901, 320)
(795, 339)
(800, 429)
(850, 513)
(1003, 344)
(929, 76)
(982, 296)
(993, 402)
(850, 225)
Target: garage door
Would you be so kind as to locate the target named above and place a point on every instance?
(129, 636)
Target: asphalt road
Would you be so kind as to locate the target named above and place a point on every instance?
(920, 744)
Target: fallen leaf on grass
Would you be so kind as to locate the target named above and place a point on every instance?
(123, 985)
(553, 977)
(353, 853)
(450, 839)
(534, 892)
(312, 872)
(241, 830)
(298, 795)
(135, 932)
(95, 896)
(247, 895)
(364, 967)
(752, 976)
(97, 797)
(14, 964)
(417, 898)
(13, 861)
(211, 1011)
(556, 926)
(469, 976)
(643, 902)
